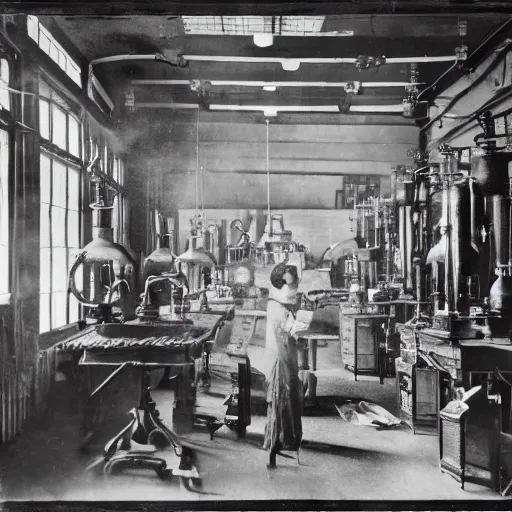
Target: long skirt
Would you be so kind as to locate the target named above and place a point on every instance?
(283, 430)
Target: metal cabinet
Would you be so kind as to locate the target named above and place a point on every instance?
(362, 340)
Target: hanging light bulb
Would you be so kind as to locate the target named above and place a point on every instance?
(263, 40)
(194, 255)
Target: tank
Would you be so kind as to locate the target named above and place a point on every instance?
(490, 170)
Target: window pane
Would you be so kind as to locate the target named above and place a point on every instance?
(4, 211)
(74, 73)
(44, 42)
(44, 274)
(58, 227)
(59, 185)
(33, 27)
(62, 60)
(73, 229)
(59, 270)
(44, 312)
(59, 127)
(5, 95)
(116, 217)
(59, 309)
(74, 136)
(44, 237)
(73, 188)
(44, 119)
(54, 53)
(73, 309)
(45, 179)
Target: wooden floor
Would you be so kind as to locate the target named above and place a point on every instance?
(339, 461)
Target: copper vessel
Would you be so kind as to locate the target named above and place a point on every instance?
(490, 170)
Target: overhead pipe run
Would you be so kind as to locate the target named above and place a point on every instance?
(175, 59)
(272, 110)
(257, 83)
(293, 64)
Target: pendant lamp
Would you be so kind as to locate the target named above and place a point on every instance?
(268, 227)
(161, 260)
(193, 255)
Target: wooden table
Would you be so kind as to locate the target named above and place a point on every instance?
(308, 345)
(146, 440)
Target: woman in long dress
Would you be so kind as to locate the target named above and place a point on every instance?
(283, 430)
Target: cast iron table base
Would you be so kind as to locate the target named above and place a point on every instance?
(145, 443)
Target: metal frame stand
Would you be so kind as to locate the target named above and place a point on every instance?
(142, 442)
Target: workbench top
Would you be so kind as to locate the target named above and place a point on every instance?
(501, 343)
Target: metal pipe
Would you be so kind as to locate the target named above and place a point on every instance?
(408, 247)
(104, 95)
(268, 184)
(402, 241)
(197, 160)
(258, 83)
(312, 60)
(265, 108)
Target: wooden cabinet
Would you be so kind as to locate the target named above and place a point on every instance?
(362, 340)
(469, 442)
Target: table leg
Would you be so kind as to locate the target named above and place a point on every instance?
(244, 397)
(303, 354)
(382, 362)
(312, 348)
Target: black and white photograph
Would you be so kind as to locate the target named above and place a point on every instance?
(255, 256)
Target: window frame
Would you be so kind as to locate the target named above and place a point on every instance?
(62, 156)
(8, 123)
(33, 23)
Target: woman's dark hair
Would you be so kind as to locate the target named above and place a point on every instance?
(276, 276)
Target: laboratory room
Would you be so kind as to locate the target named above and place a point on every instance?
(252, 256)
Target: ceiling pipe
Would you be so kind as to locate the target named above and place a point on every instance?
(257, 83)
(274, 109)
(106, 98)
(176, 59)
(313, 60)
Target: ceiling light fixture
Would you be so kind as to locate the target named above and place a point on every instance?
(270, 88)
(270, 112)
(290, 64)
(263, 40)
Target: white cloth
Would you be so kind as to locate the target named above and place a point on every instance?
(367, 414)
(279, 323)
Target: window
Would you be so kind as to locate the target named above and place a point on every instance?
(57, 124)
(356, 188)
(4, 213)
(249, 25)
(59, 239)
(5, 95)
(53, 49)
(60, 213)
(119, 202)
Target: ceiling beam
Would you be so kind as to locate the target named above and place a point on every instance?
(262, 7)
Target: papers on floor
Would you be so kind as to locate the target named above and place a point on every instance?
(367, 414)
